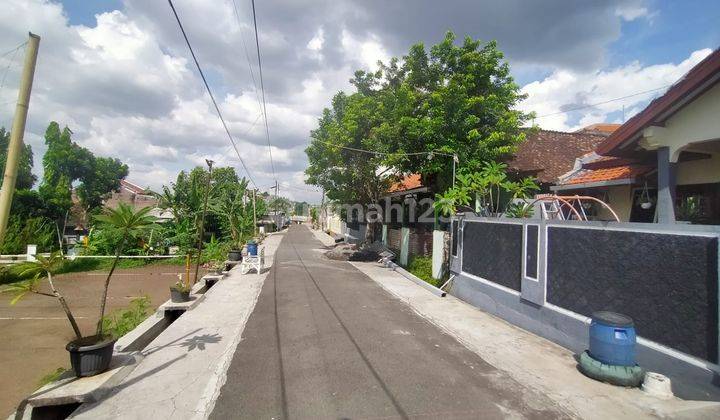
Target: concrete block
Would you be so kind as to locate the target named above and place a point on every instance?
(69, 389)
(404, 246)
(438, 254)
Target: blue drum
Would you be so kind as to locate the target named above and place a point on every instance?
(252, 249)
(612, 339)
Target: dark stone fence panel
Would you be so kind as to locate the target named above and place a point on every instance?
(667, 283)
(493, 251)
(664, 277)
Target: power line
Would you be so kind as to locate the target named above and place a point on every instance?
(14, 49)
(207, 87)
(262, 90)
(372, 152)
(298, 188)
(247, 54)
(10, 63)
(603, 103)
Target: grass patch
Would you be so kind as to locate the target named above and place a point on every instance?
(421, 267)
(122, 321)
(51, 377)
(79, 265)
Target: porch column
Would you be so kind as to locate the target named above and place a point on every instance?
(666, 187)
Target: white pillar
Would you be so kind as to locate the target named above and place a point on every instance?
(438, 254)
(384, 235)
(404, 246)
(31, 252)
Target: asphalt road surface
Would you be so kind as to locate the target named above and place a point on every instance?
(325, 341)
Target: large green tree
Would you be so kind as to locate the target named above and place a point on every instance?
(66, 163)
(455, 99)
(25, 178)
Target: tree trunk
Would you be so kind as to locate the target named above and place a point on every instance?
(65, 307)
(99, 330)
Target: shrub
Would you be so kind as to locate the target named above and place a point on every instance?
(122, 321)
(422, 268)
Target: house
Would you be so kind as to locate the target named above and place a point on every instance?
(132, 195)
(546, 154)
(662, 165)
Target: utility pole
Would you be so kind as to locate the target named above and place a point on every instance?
(322, 211)
(18, 130)
(254, 215)
(277, 216)
(201, 232)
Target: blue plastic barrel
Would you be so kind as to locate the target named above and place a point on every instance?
(252, 249)
(612, 339)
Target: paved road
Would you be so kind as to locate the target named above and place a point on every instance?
(325, 341)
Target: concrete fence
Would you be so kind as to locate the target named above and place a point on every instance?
(549, 276)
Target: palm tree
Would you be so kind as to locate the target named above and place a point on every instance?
(42, 267)
(130, 222)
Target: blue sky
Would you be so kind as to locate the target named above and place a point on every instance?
(119, 75)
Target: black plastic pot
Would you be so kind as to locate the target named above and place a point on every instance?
(178, 296)
(235, 255)
(90, 356)
(210, 282)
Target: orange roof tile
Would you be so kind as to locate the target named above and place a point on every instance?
(409, 182)
(602, 127)
(613, 173)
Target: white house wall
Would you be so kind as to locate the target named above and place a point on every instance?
(698, 121)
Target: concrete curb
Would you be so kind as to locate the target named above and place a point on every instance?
(420, 282)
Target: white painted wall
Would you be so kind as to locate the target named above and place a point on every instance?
(698, 121)
(619, 197)
(702, 171)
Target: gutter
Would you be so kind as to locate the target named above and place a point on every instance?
(432, 289)
(625, 181)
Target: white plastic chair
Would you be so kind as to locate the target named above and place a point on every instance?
(250, 262)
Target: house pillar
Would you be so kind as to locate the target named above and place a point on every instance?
(404, 246)
(666, 187)
(438, 254)
(384, 234)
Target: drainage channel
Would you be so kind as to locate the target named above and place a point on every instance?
(50, 403)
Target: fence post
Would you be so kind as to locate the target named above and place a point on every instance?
(30, 252)
(438, 254)
(384, 234)
(404, 245)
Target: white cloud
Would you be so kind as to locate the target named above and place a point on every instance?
(367, 51)
(630, 11)
(565, 89)
(127, 88)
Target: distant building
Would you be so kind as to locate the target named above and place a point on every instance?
(132, 195)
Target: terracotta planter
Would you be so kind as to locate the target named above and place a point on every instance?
(90, 356)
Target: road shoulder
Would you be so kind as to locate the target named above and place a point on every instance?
(185, 367)
(529, 359)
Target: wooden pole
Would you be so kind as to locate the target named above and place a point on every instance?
(201, 232)
(17, 132)
(254, 215)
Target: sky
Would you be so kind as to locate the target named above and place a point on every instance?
(120, 76)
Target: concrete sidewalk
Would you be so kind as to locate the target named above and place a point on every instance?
(325, 341)
(184, 367)
(531, 360)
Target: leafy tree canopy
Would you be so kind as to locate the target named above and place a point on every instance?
(455, 99)
(65, 163)
(25, 177)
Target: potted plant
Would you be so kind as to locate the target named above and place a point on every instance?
(180, 291)
(217, 266)
(89, 355)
